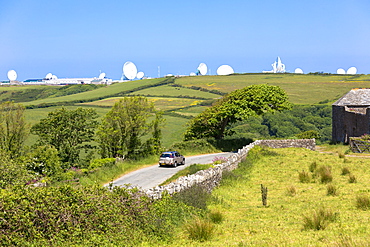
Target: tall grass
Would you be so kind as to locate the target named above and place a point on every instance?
(200, 229)
(319, 219)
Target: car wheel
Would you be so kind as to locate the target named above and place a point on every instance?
(175, 164)
(183, 162)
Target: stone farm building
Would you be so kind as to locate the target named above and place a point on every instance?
(351, 115)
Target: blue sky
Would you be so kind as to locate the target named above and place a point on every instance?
(81, 38)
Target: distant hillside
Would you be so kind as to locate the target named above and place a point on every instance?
(185, 97)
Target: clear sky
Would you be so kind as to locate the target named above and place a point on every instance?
(75, 38)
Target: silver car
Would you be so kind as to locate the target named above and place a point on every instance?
(172, 158)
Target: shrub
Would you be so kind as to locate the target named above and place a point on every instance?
(195, 196)
(309, 134)
(319, 219)
(331, 190)
(363, 202)
(304, 177)
(325, 174)
(291, 190)
(97, 163)
(352, 179)
(216, 217)
(345, 171)
(200, 229)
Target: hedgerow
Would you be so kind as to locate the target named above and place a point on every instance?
(66, 215)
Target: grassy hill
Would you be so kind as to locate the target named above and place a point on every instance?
(181, 98)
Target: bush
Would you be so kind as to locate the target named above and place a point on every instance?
(331, 190)
(309, 134)
(304, 177)
(363, 202)
(101, 163)
(200, 229)
(86, 216)
(319, 219)
(216, 217)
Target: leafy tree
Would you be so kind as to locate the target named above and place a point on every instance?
(69, 131)
(44, 160)
(240, 104)
(13, 128)
(12, 172)
(123, 128)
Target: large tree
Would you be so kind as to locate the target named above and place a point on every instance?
(124, 127)
(238, 105)
(13, 128)
(69, 131)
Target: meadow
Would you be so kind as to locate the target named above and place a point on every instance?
(246, 222)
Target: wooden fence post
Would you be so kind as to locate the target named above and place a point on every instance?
(264, 195)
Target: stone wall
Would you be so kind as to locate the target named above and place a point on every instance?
(211, 177)
(299, 143)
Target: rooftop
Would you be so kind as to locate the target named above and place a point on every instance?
(355, 97)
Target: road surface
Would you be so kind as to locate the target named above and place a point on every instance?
(152, 176)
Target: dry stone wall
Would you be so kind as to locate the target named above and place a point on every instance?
(211, 177)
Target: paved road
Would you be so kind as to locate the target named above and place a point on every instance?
(152, 176)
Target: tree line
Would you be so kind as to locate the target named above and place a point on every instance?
(132, 128)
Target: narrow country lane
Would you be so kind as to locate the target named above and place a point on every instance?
(152, 176)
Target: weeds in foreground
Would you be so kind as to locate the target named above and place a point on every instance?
(325, 174)
(332, 190)
(345, 171)
(352, 179)
(363, 202)
(304, 177)
(319, 219)
(291, 190)
(216, 217)
(200, 229)
(313, 167)
(196, 196)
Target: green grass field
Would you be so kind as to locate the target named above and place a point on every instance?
(301, 89)
(248, 223)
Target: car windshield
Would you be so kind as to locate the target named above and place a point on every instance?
(166, 155)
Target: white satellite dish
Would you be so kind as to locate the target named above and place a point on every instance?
(140, 75)
(48, 76)
(129, 70)
(341, 71)
(192, 74)
(225, 70)
(102, 75)
(12, 75)
(54, 77)
(352, 71)
(202, 69)
(298, 71)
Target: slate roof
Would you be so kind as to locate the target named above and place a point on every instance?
(355, 97)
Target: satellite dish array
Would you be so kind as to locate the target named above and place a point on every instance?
(130, 72)
(50, 76)
(350, 71)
